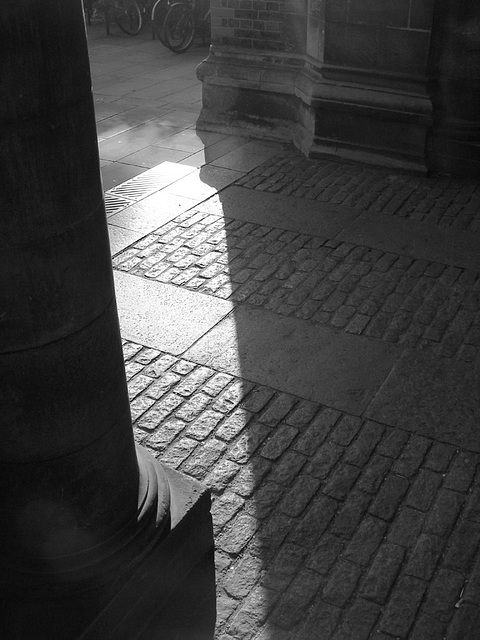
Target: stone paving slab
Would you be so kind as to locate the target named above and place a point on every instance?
(455, 247)
(315, 363)
(433, 397)
(163, 316)
(328, 526)
(280, 212)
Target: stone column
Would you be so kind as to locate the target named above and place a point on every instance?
(372, 104)
(82, 509)
(454, 143)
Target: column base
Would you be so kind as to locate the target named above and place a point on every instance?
(154, 579)
(171, 594)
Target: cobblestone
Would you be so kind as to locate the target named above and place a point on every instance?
(364, 292)
(316, 511)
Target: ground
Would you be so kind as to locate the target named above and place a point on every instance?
(302, 336)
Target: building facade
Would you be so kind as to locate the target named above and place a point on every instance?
(388, 82)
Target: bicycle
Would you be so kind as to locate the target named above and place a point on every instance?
(129, 15)
(182, 23)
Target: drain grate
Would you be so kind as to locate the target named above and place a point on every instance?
(150, 181)
(114, 203)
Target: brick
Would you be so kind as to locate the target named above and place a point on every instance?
(346, 429)
(439, 456)
(407, 527)
(341, 481)
(293, 604)
(427, 628)
(365, 541)
(463, 544)
(325, 459)
(317, 431)
(465, 624)
(412, 456)
(204, 425)
(130, 349)
(388, 499)
(472, 506)
(230, 398)
(443, 594)
(360, 451)
(166, 433)
(284, 567)
(193, 407)
(288, 468)
(225, 607)
(272, 535)
(163, 384)
(341, 583)
(314, 523)
(350, 514)
(300, 495)
(320, 623)
(183, 367)
(250, 476)
(277, 409)
(374, 474)
(265, 499)
(160, 366)
(225, 507)
(215, 385)
(425, 556)
(248, 443)
(402, 608)
(242, 576)
(237, 533)
(252, 613)
(204, 458)
(324, 554)
(462, 471)
(281, 439)
(221, 475)
(178, 452)
(424, 490)
(302, 414)
(382, 574)
(444, 513)
(358, 622)
(233, 424)
(393, 443)
(139, 405)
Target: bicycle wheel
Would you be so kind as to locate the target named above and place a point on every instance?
(128, 16)
(159, 12)
(179, 27)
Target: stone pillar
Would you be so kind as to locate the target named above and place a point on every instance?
(454, 144)
(372, 104)
(82, 509)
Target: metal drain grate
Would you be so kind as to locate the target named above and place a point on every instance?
(150, 181)
(114, 204)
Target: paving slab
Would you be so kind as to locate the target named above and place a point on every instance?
(416, 239)
(162, 316)
(283, 212)
(152, 212)
(120, 238)
(432, 397)
(316, 363)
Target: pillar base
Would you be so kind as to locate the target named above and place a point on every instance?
(171, 593)
(127, 587)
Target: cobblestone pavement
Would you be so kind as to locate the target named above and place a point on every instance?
(363, 291)
(326, 525)
(446, 202)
